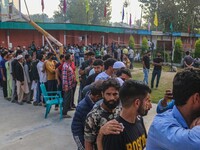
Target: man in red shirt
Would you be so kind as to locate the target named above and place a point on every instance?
(68, 83)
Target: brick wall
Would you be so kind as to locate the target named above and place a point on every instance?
(25, 37)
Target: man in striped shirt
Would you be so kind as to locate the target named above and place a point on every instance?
(68, 81)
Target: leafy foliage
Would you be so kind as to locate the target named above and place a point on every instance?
(166, 56)
(183, 14)
(178, 51)
(144, 44)
(76, 12)
(197, 49)
(131, 42)
(41, 18)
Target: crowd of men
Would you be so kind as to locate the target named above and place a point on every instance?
(24, 69)
(111, 105)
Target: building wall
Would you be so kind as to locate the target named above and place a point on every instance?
(3, 38)
(25, 37)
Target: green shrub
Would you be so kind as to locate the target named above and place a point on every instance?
(197, 49)
(178, 51)
(144, 45)
(131, 42)
(167, 57)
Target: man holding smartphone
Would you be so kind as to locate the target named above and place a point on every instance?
(166, 103)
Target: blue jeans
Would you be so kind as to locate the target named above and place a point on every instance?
(77, 61)
(80, 95)
(81, 60)
(131, 65)
(39, 92)
(154, 74)
(146, 75)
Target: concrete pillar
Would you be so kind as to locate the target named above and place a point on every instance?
(65, 38)
(103, 40)
(8, 38)
(42, 40)
(86, 42)
(118, 39)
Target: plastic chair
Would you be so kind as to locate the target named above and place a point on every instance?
(51, 99)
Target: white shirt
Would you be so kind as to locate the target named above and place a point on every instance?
(42, 74)
(121, 82)
(131, 53)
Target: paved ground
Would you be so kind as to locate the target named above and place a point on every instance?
(24, 128)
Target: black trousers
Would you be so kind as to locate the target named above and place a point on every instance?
(4, 84)
(72, 101)
(156, 73)
(52, 86)
(66, 101)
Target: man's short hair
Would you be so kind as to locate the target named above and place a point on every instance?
(90, 53)
(96, 87)
(4, 53)
(67, 56)
(18, 52)
(62, 56)
(106, 57)
(123, 71)
(110, 83)
(132, 90)
(187, 52)
(50, 54)
(27, 56)
(108, 63)
(40, 57)
(185, 84)
(98, 62)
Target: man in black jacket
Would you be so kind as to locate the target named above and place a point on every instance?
(13, 75)
(19, 70)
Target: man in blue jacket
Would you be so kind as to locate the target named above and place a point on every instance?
(83, 108)
(179, 128)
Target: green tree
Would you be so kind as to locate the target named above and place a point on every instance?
(131, 42)
(178, 51)
(197, 49)
(97, 7)
(76, 12)
(144, 45)
(182, 14)
(41, 18)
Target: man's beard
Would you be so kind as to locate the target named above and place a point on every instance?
(111, 104)
(142, 111)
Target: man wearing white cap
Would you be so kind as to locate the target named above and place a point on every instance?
(25, 52)
(22, 85)
(118, 65)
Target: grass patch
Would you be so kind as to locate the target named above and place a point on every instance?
(164, 84)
